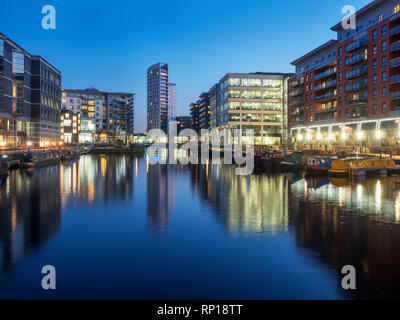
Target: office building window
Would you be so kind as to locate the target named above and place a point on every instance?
(384, 61)
(384, 108)
(374, 34)
(384, 45)
(374, 79)
(375, 93)
(384, 92)
(384, 76)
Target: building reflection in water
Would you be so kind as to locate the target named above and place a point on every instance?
(104, 179)
(30, 210)
(161, 194)
(341, 223)
(245, 204)
(355, 224)
(31, 203)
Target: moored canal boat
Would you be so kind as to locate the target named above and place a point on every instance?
(318, 165)
(269, 161)
(41, 159)
(291, 163)
(362, 166)
(70, 155)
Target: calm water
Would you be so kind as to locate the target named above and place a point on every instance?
(116, 227)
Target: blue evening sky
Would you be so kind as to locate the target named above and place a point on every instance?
(110, 44)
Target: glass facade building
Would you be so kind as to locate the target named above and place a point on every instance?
(15, 94)
(157, 97)
(254, 101)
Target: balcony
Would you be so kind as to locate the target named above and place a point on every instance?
(395, 63)
(395, 47)
(395, 30)
(326, 97)
(296, 83)
(357, 87)
(325, 74)
(296, 93)
(356, 73)
(358, 101)
(326, 85)
(360, 43)
(395, 95)
(296, 103)
(325, 110)
(395, 79)
(356, 59)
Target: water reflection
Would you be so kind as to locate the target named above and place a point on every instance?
(106, 179)
(312, 224)
(30, 210)
(342, 223)
(244, 204)
(31, 203)
(355, 224)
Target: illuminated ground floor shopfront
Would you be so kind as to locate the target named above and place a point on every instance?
(360, 135)
(264, 134)
(14, 132)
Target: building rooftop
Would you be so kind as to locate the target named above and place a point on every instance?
(313, 52)
(35, 57)
(5, 38)
(96, 91)
(362, 12)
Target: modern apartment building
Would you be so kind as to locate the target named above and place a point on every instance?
(171, 101)
(15, 93)
(70, 126)
(100, 112)
(183, 122)
(195, 116)
(251, 101)
(30, 97)
(46, 102)
(157, 97)
(346, 93)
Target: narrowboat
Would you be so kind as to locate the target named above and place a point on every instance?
(42, 159)
(3, 168)
(361, 166)
(291, 163)
(269, 161)
(318, 165)
(69, 155)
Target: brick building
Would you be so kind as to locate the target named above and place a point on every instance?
(346, 93)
